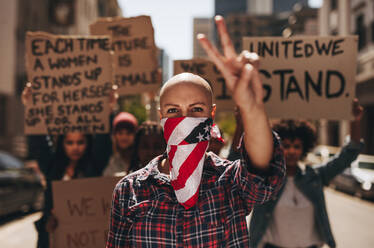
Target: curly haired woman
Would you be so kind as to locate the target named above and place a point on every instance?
(297, 216)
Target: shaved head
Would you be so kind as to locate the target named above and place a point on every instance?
(187, 78)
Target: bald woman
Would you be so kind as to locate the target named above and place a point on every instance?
(188, 197)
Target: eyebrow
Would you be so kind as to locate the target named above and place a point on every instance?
(197, 103)
(176, 105)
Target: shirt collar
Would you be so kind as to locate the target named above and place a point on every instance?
(151, 170)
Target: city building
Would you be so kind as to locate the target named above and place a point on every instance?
(345, 17)
(362, 18)
(260, 7)
(256, 7)
(287, 5)
(224, 7)
(266, 18)
(18, 17)
(241, 25)
(201, 26)
(301, 21)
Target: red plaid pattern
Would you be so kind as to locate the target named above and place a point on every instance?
(146, 213)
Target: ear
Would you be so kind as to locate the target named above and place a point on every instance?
(213, 113)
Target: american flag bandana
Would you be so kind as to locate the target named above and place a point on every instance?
(187, 140)
(216, 134)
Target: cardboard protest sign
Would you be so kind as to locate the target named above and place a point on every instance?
(82, 208)
(207, 70)
(71, 82)
(307, 77)
(135, 53)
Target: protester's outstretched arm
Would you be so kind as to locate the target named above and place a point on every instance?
(349, 152)
(243, 81)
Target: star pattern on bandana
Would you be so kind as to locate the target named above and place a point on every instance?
(200, 133)
(206, 135)
(200, 137)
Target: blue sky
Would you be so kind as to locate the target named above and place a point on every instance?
(173, 20)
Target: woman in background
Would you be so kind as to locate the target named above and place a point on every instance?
(72, 159)
(297, 216)
(124, 128)
(149, 143)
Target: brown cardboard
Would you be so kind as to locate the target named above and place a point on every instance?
(300, 62)
(207, 70)
(135, 53)
(82, 208)
(71, 80)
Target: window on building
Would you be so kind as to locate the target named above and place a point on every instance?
(361, 31)
(237, 45)
(237, 22)
(237, 34)
(334, 32)
(61, 12)
(333, 4)
(101, 8)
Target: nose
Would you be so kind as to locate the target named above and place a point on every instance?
(75, 146)
(291, 150)
(184, 112)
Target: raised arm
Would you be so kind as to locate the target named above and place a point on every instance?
(243, 81)
(349, 152)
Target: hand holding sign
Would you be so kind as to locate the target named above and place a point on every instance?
(52, 223)
(357, 110)
(240, 72)
(243, 80)
(26, 94)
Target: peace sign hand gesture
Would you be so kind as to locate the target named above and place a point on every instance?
(243, 80)
(240, 72)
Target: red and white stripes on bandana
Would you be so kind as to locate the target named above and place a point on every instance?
(187, 140)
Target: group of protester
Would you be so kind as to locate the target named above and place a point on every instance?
(177, 192)
(78, 155)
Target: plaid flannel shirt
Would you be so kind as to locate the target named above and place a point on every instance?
(146, 213)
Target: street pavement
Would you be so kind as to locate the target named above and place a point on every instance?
(352, 221)
(19, 233)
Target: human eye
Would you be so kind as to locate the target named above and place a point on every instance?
(197, 109)
(297, 146)
(68, 142)
(172, 110)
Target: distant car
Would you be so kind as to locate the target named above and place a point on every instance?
(20, 187)
(357, 180)
(363, 171)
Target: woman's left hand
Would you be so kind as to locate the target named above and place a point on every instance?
(113, 98)
(240, 71)
(243, 80)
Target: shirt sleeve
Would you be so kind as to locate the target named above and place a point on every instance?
(340, 162)
(255, 186)
(119, 225)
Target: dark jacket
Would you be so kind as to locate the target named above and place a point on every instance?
(310, 182)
